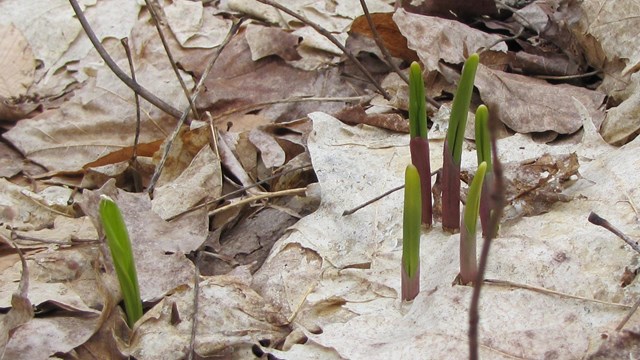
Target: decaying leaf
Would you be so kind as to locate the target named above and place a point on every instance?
(528, 105)
(436, 39)
(17, 63)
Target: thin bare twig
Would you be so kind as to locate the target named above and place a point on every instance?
(595, 219)
(251, 199)
(634, 308)
(127, 50)
(567, 77)
(139, 89)
(335, 41)
(385, 51)
(167, 49)
(156, 175)
(237, 191)
(369, 202)
(497, 202)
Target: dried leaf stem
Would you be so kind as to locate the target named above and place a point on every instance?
(335, 41)
(385, 51)
(139, 89)
(296, 191)
(497, 202)
(595, 219)
(156, 175)
(167, 49)
(127, 50)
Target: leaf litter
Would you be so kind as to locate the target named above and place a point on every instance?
(311, 288)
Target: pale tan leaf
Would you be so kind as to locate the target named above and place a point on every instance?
(201, 180)
(436, 39)
(195, 26)
(17, 64)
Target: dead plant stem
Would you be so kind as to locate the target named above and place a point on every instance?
(169, 142)
(597, 220)
(167, 49)
(296, 191)
(335, 41)
(127, 50)
(385, 51)
(139, 89)
(497, 202)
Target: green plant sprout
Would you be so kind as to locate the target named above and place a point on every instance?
(418, 143)
(468, 261)
(122, 255)
(453, 146)
(483, 152)
(411, 234)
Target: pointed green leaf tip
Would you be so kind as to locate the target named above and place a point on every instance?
(122, 255)
(483, 141)
(417, 103)
(472, 207)
(460, 107)
(411, 221)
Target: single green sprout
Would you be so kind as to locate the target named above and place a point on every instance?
(453, 146)
(418, 143)
(483, 152)
(411, 234)
(468, 261)
(122, 255)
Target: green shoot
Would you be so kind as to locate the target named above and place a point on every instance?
(460, 107)
(453, 146)
(417, 103)
(468, 261)
(419, 144)
(483, 152)
(411, 235)
(122, 255)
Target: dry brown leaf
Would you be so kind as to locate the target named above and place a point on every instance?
(159, 247)
(10, 161)
(528, 105)
(230, 314)
(266, 41)
(238, 84)
(356, 115)
(201, 180)
(17, 64)
(436, 39)
(196, 26)
(270, 151)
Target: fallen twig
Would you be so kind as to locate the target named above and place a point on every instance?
(167, 49)
(385, 51)
(595, 219)
(139, 89)
(335, 41)
(156, 175)
(251, 199)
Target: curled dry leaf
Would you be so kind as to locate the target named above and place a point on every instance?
(436, 39)
(528, 105)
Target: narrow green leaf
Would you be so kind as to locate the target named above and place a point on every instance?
(472, 207)
(460, 107)
(417, 103)
(122, 255)
(411, 221)
(483, 141)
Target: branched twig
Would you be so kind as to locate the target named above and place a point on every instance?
(251, 199)
(335, 41)
(146, 94)
(385, 52)
(167, 49)
(156, 175)
(595, 219)
(235, 192)
(497, 202)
